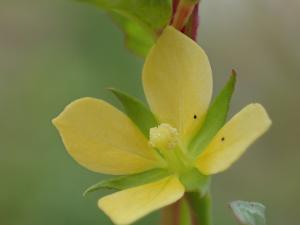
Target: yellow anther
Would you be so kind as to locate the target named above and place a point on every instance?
(163, 137)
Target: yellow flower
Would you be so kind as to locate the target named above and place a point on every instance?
(177, 80)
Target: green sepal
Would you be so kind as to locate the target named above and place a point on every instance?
(249, 213)
(215, 119)
(124, 182)
(140, 20)
(193, 180)
(136, 111)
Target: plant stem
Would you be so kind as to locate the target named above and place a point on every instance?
(170, 214)
(191, 28)
(182, 14)
(200, 207)
(186, 17)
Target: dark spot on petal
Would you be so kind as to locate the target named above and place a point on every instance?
(195, 116)
(223, 139)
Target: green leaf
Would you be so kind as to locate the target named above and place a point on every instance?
(249, 213)
(137, 112)
(215, 119)
(124, 182)
(141, 20)
(138, 39)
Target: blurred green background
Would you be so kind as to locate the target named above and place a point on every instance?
(52, 52)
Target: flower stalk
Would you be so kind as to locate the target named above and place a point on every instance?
(192, 209)
(170, 214)
(200, 208)
(192, 26)
(183, 12)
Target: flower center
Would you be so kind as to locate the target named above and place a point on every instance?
(165, 140)
(163, 137)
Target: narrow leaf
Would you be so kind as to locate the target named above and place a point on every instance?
(249, 213)
(140, 20)
(136, 111)
(124, 182)
(215, 118)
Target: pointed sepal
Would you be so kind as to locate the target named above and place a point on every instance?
(124, 182)
(215, 118)
(136, 111)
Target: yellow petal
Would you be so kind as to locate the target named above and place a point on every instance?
(233, 139)
(129, 205)
(178, 81)
(103, 139)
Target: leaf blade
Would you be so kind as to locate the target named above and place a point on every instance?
(147, 17)
(137, 39)
(249, 213)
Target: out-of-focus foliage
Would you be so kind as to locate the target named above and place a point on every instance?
(249, 213)
(140, 20)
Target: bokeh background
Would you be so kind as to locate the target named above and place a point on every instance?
(52, 52)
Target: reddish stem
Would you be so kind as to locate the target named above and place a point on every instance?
(174, 7)
(182, 14)
(186, 18)
(170, 214)
(191, 28)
